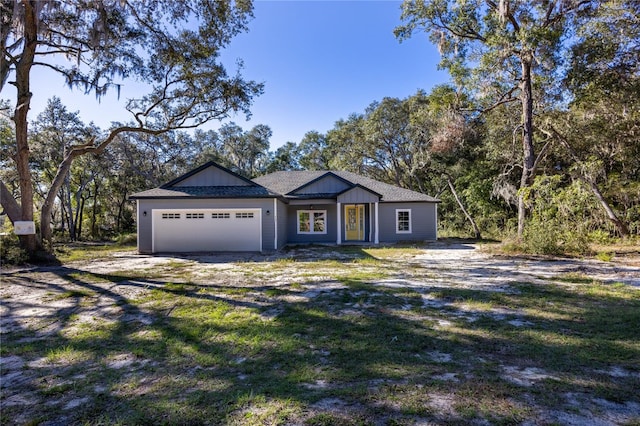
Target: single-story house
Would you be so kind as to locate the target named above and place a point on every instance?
(212, 208)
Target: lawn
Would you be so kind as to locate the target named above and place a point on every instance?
(322, 336)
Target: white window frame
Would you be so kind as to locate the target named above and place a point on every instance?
(311, 215)
(398, 231)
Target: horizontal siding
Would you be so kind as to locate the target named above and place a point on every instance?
(423, 222)
(282, 224)
(292, 224)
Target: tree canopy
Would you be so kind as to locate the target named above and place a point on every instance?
(539, 125)
(502, 52)
(172, 46)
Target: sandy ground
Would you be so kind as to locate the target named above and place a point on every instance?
(27, 302)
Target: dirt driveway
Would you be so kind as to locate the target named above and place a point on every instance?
(38, 304)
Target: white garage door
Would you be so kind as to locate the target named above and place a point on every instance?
(207, 230)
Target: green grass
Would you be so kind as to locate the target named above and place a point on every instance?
(357, 355)
(83, 252)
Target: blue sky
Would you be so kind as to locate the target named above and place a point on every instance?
(320, 61)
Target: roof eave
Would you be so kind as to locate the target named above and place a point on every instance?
(322, 176)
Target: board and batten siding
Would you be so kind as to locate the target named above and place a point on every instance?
(145, 223)
(326, 185)
(423, 222)
(357, 196)
(212, 176)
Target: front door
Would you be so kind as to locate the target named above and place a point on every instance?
(354, 222)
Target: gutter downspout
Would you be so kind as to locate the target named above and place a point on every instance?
(377, 231)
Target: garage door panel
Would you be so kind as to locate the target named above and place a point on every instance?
(207, 230)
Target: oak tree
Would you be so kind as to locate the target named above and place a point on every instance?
(171, 46)
(501, 51)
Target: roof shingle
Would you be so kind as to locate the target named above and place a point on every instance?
(285, 182)
(206, 192)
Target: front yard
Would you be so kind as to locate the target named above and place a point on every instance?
(443, 334)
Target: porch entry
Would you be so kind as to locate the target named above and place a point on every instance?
(354, 222)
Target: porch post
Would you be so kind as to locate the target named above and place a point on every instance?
(339, 225)
(370, 223)
(377, 233)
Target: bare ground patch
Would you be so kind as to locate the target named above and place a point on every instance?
(447, 333)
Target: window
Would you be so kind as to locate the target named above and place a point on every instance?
(171, 215)
(195, 215)
(312, 221)
(403, 221)
(220, 215)
(244, 215)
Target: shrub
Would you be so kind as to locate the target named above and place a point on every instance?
(127, 239)
(10, 251)
(541, 237)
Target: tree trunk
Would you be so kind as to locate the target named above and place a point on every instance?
(47, 206)
(79, 216)
(9, 203)
(476, 230)
(22, 74)
(63, 215)
(119, 218)
(67, 200)
(94, 210)
(622, 228)
(528, 149)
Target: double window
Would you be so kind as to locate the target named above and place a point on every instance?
(403, 221)
(312, 221)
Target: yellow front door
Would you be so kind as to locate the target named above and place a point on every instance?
(354, 222)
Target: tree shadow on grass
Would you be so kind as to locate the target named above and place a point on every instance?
(192, 354)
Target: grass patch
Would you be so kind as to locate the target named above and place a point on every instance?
(605, 256)
(393, 252)
(66, 355)
(82, 252)
(358, 353)
(73, 294)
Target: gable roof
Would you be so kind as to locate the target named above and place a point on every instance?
(288, 182)
(210, 164)
(283, 184)
(174, 189)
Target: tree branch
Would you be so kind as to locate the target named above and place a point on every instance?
(440, 24)
(613, 217)
(505, 98)
(509, 15)
(9, 203)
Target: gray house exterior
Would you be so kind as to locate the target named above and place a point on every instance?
(212, 208)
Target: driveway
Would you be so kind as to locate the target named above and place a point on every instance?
(445, 285)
